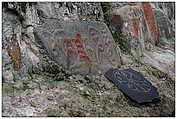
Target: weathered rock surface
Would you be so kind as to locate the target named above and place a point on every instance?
(151, 30)
(35, 85)
(19, 20)
(164, 60)
(85, 48)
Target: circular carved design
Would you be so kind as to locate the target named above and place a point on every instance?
(133, 84)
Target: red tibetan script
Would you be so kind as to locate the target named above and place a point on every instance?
(150, 20)
(135, 23)
(79, 47)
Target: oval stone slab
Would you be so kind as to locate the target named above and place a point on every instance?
(133, 84)
(80, 47)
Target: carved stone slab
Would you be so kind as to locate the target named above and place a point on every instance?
(133, 84)
(81, 47)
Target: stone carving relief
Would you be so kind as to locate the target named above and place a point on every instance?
(133, 84)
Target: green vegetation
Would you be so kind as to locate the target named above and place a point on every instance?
(121, 40)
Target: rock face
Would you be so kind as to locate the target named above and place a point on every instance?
(19, 20)
(81, 47)
(151, 30)
(35, 83)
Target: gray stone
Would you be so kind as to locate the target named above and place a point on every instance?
(131, 18)
(81, 47)
(164, 60)
(75, 95)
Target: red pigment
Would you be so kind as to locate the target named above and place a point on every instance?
(79, 46)
(78, 34)
(135, 23)
(55, 53)
(150, 20)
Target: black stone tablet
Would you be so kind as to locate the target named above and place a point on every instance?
(133, 84)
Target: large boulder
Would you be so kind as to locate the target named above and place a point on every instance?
(150, 28)
(19, 45)
(80, 47)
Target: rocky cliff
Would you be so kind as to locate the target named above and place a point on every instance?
(34, 84)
